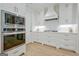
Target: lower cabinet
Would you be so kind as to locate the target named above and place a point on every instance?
(47, 38)
(67, 45)
(60, 40)
(68, 42)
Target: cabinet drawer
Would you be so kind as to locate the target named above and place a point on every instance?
(67, 46)
(68, 40)
(67, 43)
(70, 36)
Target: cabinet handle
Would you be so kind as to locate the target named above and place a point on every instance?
(67, 39)
(66, 35)
(15, 9)
(66, 45)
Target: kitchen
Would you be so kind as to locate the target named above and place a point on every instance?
(53, 25)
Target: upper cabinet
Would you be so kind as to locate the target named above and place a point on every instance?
(20, 8)
(7, 7)
(67, 13)
(17, 8)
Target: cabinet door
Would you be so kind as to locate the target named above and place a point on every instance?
(20, 9)
(56, 37)
(65, 14)
(68, 42)
(35, 36)
(42, 37)
(77, 43)
(7, 6)
(28, 37)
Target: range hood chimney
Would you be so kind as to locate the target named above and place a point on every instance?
(50, 14)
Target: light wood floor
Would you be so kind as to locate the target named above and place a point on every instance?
(35, 49)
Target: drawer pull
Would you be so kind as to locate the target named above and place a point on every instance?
(66, 45)
(66, 35)
(67, 39)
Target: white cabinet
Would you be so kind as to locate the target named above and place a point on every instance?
(68, 41)
(53, 39)
(29, 37)
(65, 13)
(60, 40)
(7, 7)
(77, 43)
(19, 9)
(42, 37)
(47, 38)
(32, 37)
(68, 13)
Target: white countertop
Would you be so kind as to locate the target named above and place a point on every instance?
(53, 32)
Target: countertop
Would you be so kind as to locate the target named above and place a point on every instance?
(54, 32)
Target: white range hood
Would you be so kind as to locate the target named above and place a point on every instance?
(50, 14)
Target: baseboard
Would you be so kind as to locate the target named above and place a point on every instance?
(67, 50)
(49, 45)
(44, 44)
(53, 46)
(37, 42)
(28, 42)
(77, 51)
(21, 54)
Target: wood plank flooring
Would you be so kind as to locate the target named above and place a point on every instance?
(36, 49)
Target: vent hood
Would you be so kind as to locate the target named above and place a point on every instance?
(50, 14)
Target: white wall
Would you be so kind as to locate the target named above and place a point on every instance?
(49, 24)
(34, 18)
(52, 25)
(28, 19)
(31, 19)
(67, 15)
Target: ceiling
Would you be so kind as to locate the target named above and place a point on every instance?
(40, 6)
